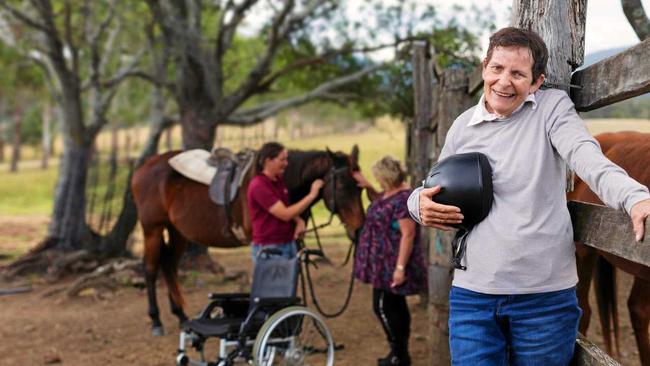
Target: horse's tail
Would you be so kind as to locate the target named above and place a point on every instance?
(169, 268)
(605, 286)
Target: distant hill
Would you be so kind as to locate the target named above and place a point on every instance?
(594, 57)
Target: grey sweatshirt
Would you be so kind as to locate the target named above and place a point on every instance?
(525, 245)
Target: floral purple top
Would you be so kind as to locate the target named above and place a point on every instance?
(378, 247)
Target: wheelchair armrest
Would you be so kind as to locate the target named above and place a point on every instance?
(231, 296)
(275, 301)
(231, 304)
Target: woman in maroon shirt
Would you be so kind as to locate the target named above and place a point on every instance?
(276, 224)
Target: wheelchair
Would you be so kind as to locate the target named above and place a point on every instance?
(268, 326)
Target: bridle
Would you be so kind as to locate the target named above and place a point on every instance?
(330, 178)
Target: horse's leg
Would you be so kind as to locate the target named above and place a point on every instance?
(586, 260)
(153, 242)
(171, 256)
(639, 305)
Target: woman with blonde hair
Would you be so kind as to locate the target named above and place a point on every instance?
(389, 256)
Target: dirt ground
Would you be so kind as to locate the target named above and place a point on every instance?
(38, 329)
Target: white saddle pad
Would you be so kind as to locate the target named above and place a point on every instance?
(194, 165)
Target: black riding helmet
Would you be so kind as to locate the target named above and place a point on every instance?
(466, 182)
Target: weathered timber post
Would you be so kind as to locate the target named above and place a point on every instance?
(422, 128)
(452, 99)
(562, 26)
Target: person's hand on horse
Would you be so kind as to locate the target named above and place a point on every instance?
(316, 186)
(639, 212)
(435, 214)
(299, 232)
(362, 182)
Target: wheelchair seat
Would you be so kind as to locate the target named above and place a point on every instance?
(273, 278)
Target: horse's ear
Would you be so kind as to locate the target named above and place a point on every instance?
(329, 152)
(355, 153)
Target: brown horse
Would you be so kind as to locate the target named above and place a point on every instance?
(630, 151)
(168, 201)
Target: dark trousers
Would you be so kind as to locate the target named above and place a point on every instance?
(395, 318)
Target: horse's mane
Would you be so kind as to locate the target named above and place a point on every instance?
(306, 166)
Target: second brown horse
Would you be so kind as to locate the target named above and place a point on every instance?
(168, 201)
(630, 151)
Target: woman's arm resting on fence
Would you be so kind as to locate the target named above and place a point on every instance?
(639, 212)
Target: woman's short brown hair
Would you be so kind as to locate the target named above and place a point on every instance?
(389, 171)
(517, 37)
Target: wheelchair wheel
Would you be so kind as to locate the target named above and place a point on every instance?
(294, 336)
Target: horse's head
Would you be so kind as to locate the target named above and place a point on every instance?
(341, 193)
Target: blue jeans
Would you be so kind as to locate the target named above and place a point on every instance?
(522, 330)
(288, 250)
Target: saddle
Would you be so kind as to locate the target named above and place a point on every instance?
(466, 182)
(231, 170)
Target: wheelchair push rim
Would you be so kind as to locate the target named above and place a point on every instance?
(294, 336)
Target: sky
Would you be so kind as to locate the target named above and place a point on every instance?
(606, 27)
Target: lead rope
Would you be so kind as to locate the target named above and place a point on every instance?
(307, 263)
(320, 245)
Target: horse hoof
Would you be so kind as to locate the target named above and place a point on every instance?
(157, 331)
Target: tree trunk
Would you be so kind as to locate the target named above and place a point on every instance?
(637, 17)
(47, 136)
(198, 133)
(68, 224)
(17, 137)
(2, 147)
(198, 129)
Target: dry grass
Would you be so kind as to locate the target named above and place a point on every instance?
(597, 126)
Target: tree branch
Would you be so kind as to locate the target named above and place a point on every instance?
(637, 17)
(127, 71)
(226, 33)
(270, 79)
(261, 68)
(69, 39)
(322, 92)
(48, 73)
(24, 18)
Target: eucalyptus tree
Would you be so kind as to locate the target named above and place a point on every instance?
(85, 50)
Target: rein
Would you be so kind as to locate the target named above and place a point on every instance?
(308, 279)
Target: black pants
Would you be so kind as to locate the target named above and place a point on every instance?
(395, 318)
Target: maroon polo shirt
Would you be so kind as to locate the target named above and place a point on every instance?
(262, 194)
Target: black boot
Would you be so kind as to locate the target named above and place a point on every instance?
(386, 360)
(394, 360)
(398, 356)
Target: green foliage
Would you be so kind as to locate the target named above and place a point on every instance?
(32, 125)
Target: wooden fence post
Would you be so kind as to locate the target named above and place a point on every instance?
(421, 132)
(562, 27)
(451, 99)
